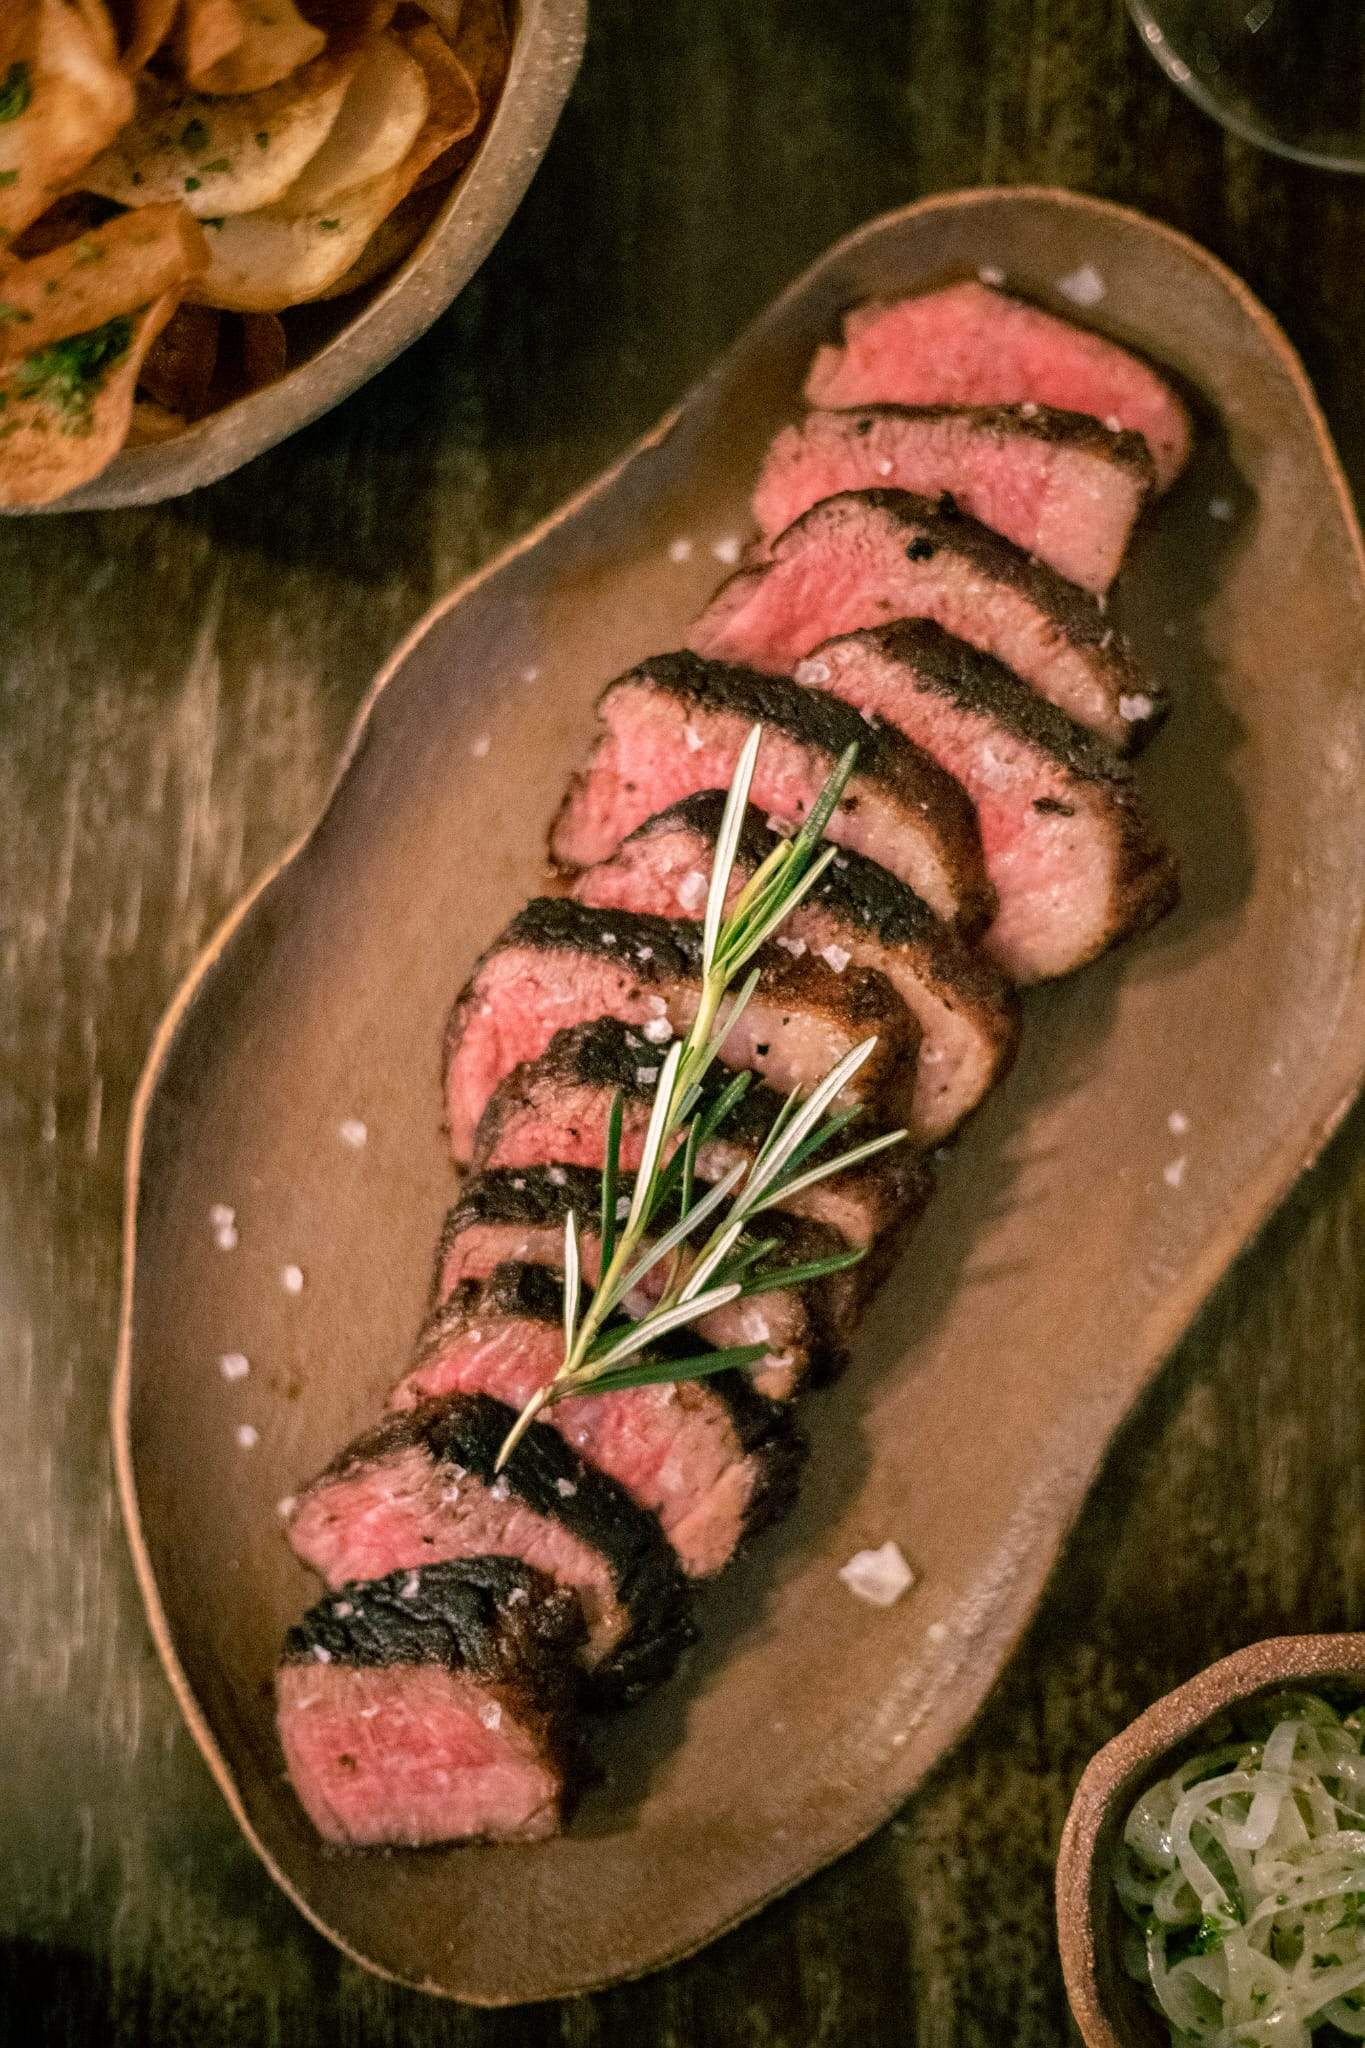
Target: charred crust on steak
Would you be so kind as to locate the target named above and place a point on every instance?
(460, 1613)
(1048, 423)
(468, 1430)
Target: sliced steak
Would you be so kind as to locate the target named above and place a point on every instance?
(968, 344)
(421, 1489)
(711, 1458)
(518, 1214)
(1060, 485)
(560, 963)
(557, 1107)
(1074, 860)
(677, 725)
(967, 1016)
(433, 1706)
(868, 557)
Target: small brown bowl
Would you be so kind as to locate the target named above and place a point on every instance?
(547, 46)
(1108, 2007)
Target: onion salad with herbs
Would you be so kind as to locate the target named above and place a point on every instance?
(1244, 1873)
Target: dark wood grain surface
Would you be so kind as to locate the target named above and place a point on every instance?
(174, 688)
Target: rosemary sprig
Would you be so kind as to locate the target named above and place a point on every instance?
(602, 1351)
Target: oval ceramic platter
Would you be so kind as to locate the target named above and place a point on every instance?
(1071, 1242)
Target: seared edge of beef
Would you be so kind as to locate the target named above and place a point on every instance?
(1146, 878)
(1050, 423)
(468, 1430)
(764, 1429)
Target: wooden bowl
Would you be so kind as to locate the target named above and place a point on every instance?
(546, 49)
(1108, 2006)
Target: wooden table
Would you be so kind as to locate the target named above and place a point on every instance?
(174, 688)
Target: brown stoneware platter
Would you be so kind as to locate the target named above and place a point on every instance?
(547, 46)
(1108, 2005)
(1163, 1103)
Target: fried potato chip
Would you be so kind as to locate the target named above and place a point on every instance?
(380, 119)
(265, 349)
(97, 19)
(151, 423)
(484, 46)
(181, 363)
(222, 156)
(60, 103)
(84, 283)
(65, 409)
(276, 41)
(147, 23)
(392, 242)
(445, 14)
(210, 30)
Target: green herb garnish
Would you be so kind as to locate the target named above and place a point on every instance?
(194, 136)
(8, 178)
(220, 163)
(16, 90)
(68, 375)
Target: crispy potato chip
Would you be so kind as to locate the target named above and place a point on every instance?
(96, 17)
(179, 368)
(147, 23)
(65, 409)
(392, 242)
(60, 103)
(151, 423)
(222, 156)
(82, 284)
(455, 106)
(380, 119)
(276, 42)
(484, 47)
(265, 349)
(446, 15)
(75, 214)
(210, 30)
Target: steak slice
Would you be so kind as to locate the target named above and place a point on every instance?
(967, 1015)
(421, 1489)
(1060, 485)
(518, 1214)
(433, 1706)
(560, 963)
(968, 344)
(711, 1458)
(557, 1107)
(676, 725)
(1075, 862)
(872, 556)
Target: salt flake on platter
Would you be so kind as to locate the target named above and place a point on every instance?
(247, 1437)
(481, 746)
(1083, 286)
(1177, 1123)
(1222, 508)
(284, 1508)
(680, 550)
(234, 1365)
(352, 1132)
(991, 274)
(291, 1279)
(726, 551)
(565, 1488)
(880, 1576)
(1174, 1174)
(1136, 708)
(835, 957)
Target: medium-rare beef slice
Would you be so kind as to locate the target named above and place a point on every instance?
(560, 963)
(712, 1458)
(519, 1214)
(422, 1488)
(867, 557)
(968, 344)
(1060, 485)
(967, 1015)
(1075, 862)
(677, 724)
(434, 1706)
(557, 1108)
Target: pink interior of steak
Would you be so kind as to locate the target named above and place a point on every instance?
(569, 1123)
(656, 749)
(777, 1319)
(402, 1755)
(970, 345)
(406, 1509)
(672, 1448)
(665, 872)
(525, 994)
(1052, 867)
(850, 564)
(1071, 505)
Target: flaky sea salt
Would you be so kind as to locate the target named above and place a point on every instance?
(1177, 1123)
(291, 1279)
(1113, 422)
(656, 1007)
(353, 1133)
(321, 1655)
(247, 1437)
(726, 550)
(622, 1208)
(409, 1588)
(234, 1365)
(284, 1508)
(557, 1177)
(530, 675)
(835, 957)
(692, 739)
(1175, 1172)
(1083, 286)
(341, 1609)
(680, 550)
(796, 947)
(1136, 708)
(812, 671)
(565, 1488)
(646, 1076)
(1221, 508)
(518, 1597)
(499, 1490)
(991, 274)
(885, 466)
(658, 1031)
(692, 890)
(879, 1576)
(490, 1713)
(481, 746)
